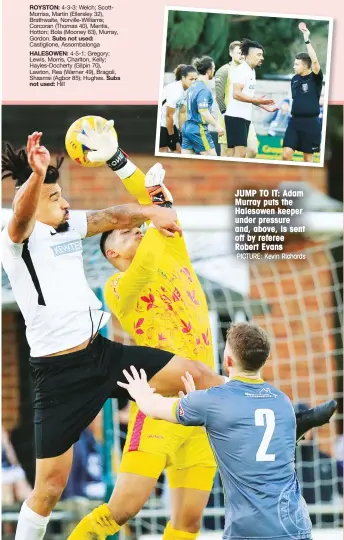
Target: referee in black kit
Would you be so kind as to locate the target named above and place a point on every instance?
(304, 130)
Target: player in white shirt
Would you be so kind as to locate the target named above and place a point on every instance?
(75, 369)
(238, 115)
(173, 101)
(223, 79)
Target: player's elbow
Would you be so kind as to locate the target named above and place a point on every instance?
(316, 67)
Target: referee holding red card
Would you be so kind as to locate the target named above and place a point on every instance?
(304, 130)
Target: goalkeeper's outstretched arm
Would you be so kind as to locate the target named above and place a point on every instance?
(104, 147)
(147, 189)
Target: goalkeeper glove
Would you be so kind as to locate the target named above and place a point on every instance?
(100, 140)
(154, 183)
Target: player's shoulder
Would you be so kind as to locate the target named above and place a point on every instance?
(168, 88)
(112, 282)
(243, 71)
(112, 293)
(242, 67)
(318, 75)
(223, 70)
(39, 230)
(277, 392)
(198, 85)
(175, 87)
(220, 391)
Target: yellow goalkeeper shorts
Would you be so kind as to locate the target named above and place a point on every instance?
(154, 445)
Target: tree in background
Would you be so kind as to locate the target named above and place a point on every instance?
(192, 34)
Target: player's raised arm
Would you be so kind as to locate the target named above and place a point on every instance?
(104, 147)
(312, 54)
(132, 215)
(128, 216)
(147, 189)
(26, 200)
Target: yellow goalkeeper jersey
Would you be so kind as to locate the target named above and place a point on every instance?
(159, 300)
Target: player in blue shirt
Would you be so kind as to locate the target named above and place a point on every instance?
(199, 103)
(252, 429)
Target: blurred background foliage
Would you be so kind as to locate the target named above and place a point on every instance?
(192, 34)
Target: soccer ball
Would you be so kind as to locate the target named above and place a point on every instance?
(77, 151)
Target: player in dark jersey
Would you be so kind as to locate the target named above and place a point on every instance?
(304, 130)
(251, 428)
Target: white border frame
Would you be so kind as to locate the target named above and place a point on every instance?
(329, 20)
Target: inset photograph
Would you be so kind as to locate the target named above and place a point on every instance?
(244, 85)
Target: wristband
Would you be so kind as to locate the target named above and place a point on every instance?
(166, 204)
(117, 161)
(307, 42)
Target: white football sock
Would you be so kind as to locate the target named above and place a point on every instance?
(31, 526)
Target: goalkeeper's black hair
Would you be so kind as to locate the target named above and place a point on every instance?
(102, 241)
(203, 64)
(247, 43)
(14, 164)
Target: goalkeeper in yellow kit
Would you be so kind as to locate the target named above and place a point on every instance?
(158, 300)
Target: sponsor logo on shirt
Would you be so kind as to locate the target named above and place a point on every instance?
(263, 393)
(180, 410)
(67, 247)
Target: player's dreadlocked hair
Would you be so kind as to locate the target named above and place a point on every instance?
(246, 44)
(15, 164)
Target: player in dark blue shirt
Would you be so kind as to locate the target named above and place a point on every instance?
(251, 426)
(199, 103)
(304, 130)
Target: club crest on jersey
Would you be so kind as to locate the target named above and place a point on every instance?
(293, 514)
(263, 393)
(67, 247)
(304, 87)
(180, 409)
